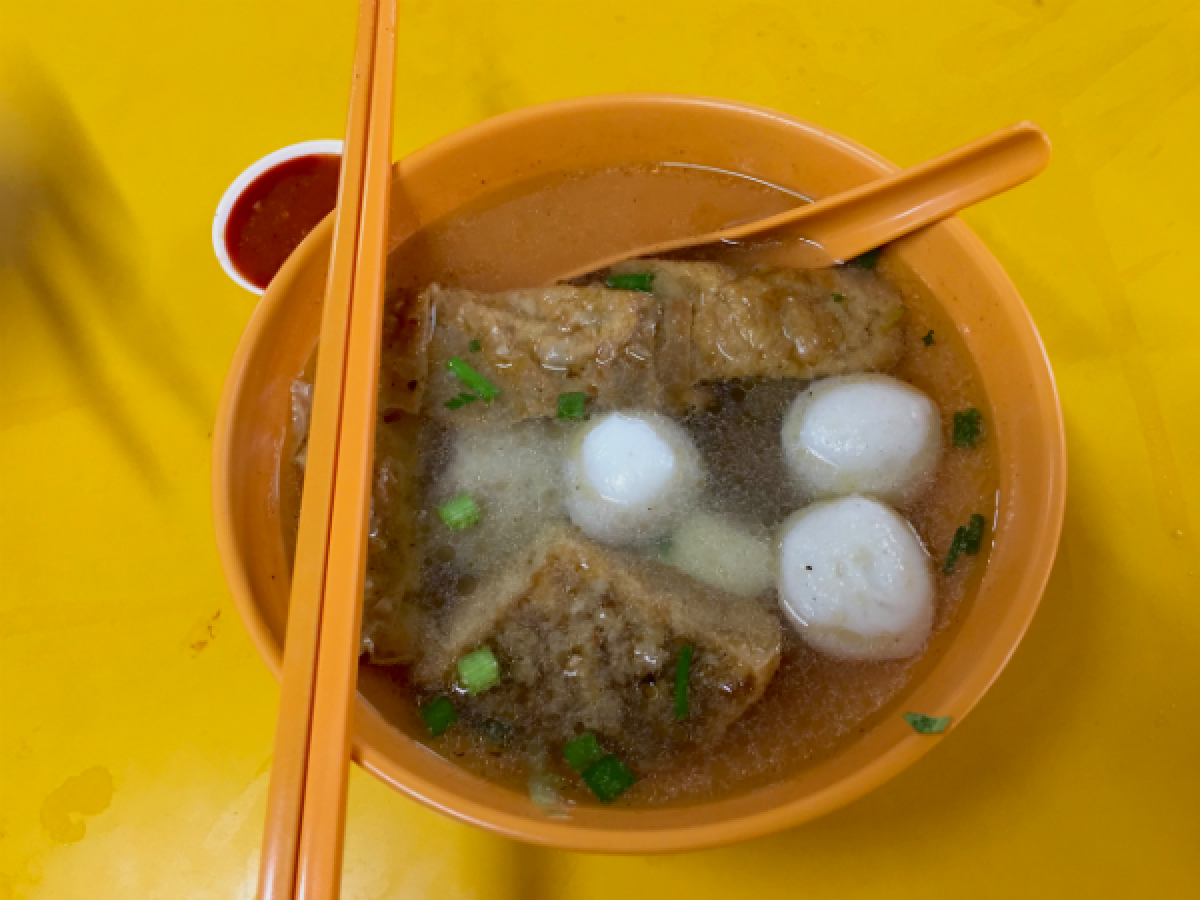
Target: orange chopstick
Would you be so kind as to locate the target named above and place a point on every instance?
(320, 862)
(301, 719)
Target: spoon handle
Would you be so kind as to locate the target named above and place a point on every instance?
(852, 222)
(855, 221)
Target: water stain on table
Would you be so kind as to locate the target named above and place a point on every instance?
(203, 633)
(65, 810)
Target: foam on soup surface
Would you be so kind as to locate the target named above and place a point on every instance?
(548, 657)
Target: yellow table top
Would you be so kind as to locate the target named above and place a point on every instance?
(135, 717)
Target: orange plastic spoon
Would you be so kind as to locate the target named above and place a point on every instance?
(835, 229)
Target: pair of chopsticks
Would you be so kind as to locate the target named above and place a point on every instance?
(306, 801)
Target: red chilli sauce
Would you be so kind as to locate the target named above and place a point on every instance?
(277, 211)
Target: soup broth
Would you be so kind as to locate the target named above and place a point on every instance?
(753, 719)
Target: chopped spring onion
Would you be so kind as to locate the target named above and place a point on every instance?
(460, 401)
(609, 778)
(472, 379)
(968, 427)
(475, 346)
(683, 675)
(927, 340)
(439, 714)
(868, 260)
(643, 282)
(479, 670)
(974, 539)
(967, 539)
(572, 405)
(839, 298)
(956, 549)
(459, 513)
(923, 724)
(583, 751)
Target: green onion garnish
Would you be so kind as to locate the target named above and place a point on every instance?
(472, 379)
(868, 260)
(479, 670)
(643, 282)
(839, 298)
(460, 401)
(583, 751)
(967, 539)
(923, 724)
(475, 346)
(956, 549)
(609, 778)
(928, 339)
(968, 427)
(459, 513)
(439, 714)
(683, 675)
(572, 405)
(974, 539)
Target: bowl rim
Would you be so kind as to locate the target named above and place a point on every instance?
(552, 833)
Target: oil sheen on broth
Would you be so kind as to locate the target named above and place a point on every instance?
(584, 598)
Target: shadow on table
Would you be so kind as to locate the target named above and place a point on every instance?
(66, 248)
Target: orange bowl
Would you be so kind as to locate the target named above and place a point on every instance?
(621, 131)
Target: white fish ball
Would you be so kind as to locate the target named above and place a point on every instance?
(855, 580)
(630, 477)
(869, 434)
